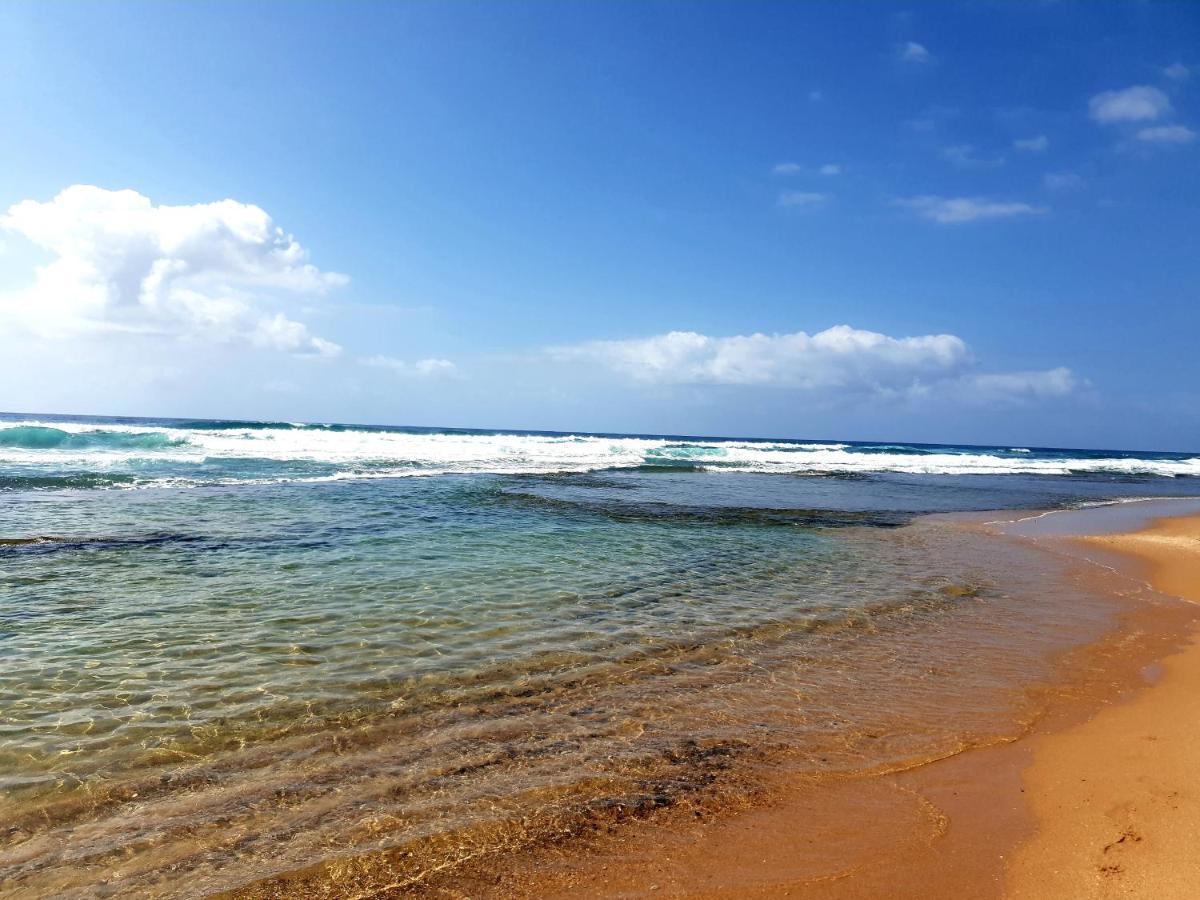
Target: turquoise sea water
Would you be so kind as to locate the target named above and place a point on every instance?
(230, 650)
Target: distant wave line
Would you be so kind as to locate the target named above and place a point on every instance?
(36, 452)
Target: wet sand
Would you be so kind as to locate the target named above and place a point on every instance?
(1098, 799)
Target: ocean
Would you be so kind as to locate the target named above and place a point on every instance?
(230, 651)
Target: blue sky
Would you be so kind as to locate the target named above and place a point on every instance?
(580, 216)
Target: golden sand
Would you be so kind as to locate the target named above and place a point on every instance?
(1117, 798)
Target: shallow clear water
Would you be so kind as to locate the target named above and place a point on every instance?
(222, 657)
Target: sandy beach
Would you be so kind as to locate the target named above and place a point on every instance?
(1114, 798)
(1098, 800)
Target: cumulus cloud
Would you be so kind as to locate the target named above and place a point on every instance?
(788, 168)
(912, 52)
(838, 361)
(1134, 104)
(1032, 144)
(1167, 134)
(424, 368)
(803, 199)
(959, 210)
(210, 271)
(1177, 71)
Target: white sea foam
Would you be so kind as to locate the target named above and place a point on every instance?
(350, 453)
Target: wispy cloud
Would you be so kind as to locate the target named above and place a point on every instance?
(1134, 104)
(912, 52)
(1062, 181)
(960, 210)
(216, 272)
(1032, 144)
(931, 118)
(793, 168)
(837, 362)
(421, 368)
(1177, 71)
(1010, 386)
(1167, 134)
(803, 199)
(965, 157)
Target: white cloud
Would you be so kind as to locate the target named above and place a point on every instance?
(208, 271)
(1167, 134)
(1177, 71)
(912, 52)
(788, 168)
(958, 210)
(838, 361)
(830, 169)
(964, 156)
(1032, 145)
(1062, 181)
(1134, 104)
(422, 367)
(803, 199)
(838, 356)
(435, 367)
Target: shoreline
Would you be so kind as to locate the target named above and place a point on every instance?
(1048, 633)
(1066, 809)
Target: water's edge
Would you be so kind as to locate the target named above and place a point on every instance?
(1139, 628)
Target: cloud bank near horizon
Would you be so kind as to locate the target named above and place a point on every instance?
(838, 362)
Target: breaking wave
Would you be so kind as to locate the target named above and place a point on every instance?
(44, 437)
(51, 454)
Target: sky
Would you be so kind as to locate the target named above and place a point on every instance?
(953, 222)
